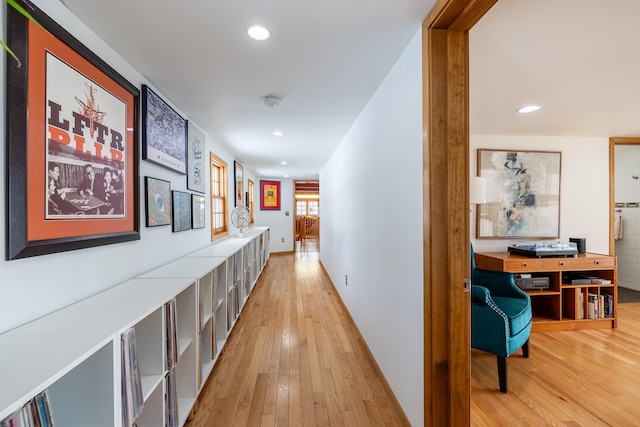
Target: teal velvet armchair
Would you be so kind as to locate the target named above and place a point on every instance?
(500, 316)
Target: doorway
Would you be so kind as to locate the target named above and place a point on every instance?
(306, 195)
(624, 155)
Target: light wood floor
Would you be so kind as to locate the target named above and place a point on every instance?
(294, 358)
(573, 378)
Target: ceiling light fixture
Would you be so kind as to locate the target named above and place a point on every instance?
(529, 109)
(258, 32)
(283, 163)
(271, 101)
(278, 133)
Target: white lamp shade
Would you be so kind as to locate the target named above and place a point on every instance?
(478, 190)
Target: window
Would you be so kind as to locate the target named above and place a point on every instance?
(307, 207)
(250, 203)
(219, 227)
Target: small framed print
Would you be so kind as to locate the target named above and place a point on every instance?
(239, 180)
(197, 211)
(181, 211)
(158, 201)
(270, 195)
(164, 133)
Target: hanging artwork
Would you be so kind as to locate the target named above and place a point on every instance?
(270, 195)
(523, 194)
(72, 155)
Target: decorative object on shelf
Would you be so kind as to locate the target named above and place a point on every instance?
(164, 133)
(240, 218)
(523, 194)
(195, 159)
(269, 195)
(239, 180)
(77, 117)
(197, 211)
(181, 211)
(157, 201)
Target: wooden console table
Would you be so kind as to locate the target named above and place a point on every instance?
(563, 306)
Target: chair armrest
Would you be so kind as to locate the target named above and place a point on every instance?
(480, 295)
(498, 283)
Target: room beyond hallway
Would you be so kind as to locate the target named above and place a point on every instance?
(294, 358)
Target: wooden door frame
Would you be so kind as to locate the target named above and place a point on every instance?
(446, 264)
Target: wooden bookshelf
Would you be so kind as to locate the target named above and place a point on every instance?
(561, 306)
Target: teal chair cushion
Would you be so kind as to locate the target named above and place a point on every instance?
(518, 312)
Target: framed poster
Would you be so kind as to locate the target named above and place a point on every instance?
(157, 201)
(523, 194)
(164, 133)
(197, 211)
(270, 195)
(71, 144)
(181, 211)
(195, 165)
(239, 186)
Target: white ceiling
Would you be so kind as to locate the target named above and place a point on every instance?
(326, 58)
(578, 59)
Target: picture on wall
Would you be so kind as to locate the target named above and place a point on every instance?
(195, 159)
(523, 194)
(158, 201)
(71, 144)
(181, 211)
(270, 195)
(239, 186)
(164, 133)
(197, 211)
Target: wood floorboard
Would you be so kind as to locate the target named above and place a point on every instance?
(295, 359)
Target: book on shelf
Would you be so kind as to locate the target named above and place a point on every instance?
(579, 304)
(172, 333)
(35, 413)
(171, 401)
(608, 305)
(132, 399)
(592, 306)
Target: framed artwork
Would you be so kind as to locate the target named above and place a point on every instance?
(195, 165)
(181, 211)
(197, 211)
(71, 144)
(239, 180)
(523, 194)
(157, 201)
(269, 195)
(164, 133)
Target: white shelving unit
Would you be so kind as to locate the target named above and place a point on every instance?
(75, 353)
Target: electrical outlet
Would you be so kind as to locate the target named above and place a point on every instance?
(282, 240)
(345, 280)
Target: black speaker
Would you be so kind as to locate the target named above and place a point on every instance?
(580, 242)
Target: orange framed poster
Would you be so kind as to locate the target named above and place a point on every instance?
(269, 195)
(72, 155)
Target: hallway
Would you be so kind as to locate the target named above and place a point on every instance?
(294, 358)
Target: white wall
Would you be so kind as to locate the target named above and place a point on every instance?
(584, 186)
(371, 210)
(32, 287)
(280, 224)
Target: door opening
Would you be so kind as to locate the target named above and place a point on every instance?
(306, 196)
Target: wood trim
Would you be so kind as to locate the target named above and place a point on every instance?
(613, 141)
(447, 336)
(369, 354)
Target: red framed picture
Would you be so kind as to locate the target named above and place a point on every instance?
(72, 128)
(270, 195)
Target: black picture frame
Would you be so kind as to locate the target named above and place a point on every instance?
(39, 116)
(157, 202)
(197, 211)
(164, 133)
(181, 211)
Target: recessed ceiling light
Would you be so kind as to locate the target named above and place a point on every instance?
(286, 176)
(278, 133)
(283, 163)
(258, 32)
(529, 109)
